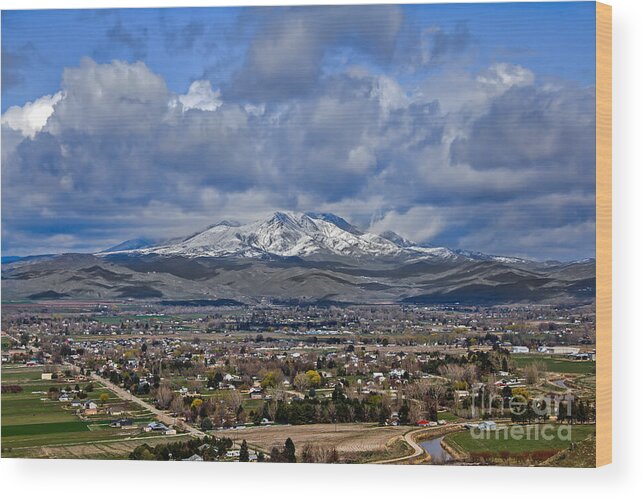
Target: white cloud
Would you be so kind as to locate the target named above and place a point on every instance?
(32, 117)
(201, 96)
(506, 75)
(420, 224)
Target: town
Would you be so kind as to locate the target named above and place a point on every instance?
(275, 383)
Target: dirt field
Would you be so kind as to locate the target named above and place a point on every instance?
(348, 439)
(102, 450)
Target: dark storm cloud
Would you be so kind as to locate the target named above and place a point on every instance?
(528, 127)
(285, 59)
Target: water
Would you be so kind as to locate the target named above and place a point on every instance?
(434, 448)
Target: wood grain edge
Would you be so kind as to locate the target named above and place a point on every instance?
(603, 234)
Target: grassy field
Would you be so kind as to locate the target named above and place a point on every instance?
(583, 455)
(556, 364)
(499, 441)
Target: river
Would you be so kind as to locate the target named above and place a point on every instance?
(434, 448)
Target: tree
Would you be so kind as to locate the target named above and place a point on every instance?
(314, 378)
(289, 451)
(532, 372)
(196, 405)
(244, 455)
(403, 413)
(562, 408)
(275, 455)
(164, 396)
(301, 382)
(272, 379)
(206, 424)
(104, 397)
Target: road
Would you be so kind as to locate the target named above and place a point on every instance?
(417, 449)
(160, 415)
(408, 438)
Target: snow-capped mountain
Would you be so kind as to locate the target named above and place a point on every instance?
(335, 263)
(291, 234)
(284, 234)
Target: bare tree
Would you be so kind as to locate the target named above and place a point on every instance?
(164, 396)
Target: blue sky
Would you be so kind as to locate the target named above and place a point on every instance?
(466, 125)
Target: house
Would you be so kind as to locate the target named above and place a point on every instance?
(116, 410)
(256, 393)
(46, 376)
(233, 453)
(422, 422)
(487, 425)
(155, 426)
(122, 422)
(520, 349)
(460, 394)
(583, 356)
(559, 350)
(90, 408)
(193, 457)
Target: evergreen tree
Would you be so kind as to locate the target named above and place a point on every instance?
(289, 451)
(582, 412)
(244, 455)
(403, 413)
(562, 415)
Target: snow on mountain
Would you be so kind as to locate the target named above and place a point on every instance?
(131, 244)
(476, 255)
(282, 234)
(289, 234)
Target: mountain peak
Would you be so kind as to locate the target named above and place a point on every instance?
(283, 234)
(335, 220)
(226, 223)
(394, 237)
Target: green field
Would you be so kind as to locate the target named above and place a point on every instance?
(556, 364)
(499, 440)
(43, 428)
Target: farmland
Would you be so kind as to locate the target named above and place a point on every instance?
(556, 364)
(503, 444)
(32, 420)
(352, 441)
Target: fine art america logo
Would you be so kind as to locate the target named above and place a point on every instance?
(523, 410)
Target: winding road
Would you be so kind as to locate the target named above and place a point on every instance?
(417, 449)
(408, 438)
